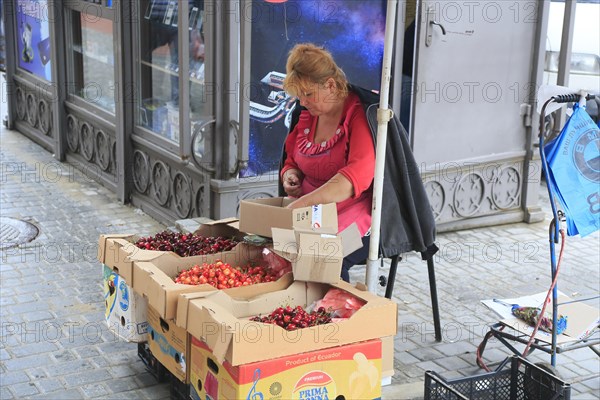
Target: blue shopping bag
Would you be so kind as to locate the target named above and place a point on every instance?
(574, 172)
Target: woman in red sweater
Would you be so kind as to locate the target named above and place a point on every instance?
(330, 151)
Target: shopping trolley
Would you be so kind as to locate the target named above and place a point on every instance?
(556, 235)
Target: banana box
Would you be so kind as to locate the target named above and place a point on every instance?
(169, 344)
(225, 324)
(119, 252)
(346, 372)
(125, 311)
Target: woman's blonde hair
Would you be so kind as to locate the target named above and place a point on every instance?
(309, 65)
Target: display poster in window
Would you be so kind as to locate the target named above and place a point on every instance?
(352, 30)
(33, 37)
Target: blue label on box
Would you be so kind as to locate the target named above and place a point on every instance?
(124, 301)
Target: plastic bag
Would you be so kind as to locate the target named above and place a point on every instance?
(341, 303)
(574, 172)
(278, 264)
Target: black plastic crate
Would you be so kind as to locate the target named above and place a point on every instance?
(522, 381)
(179, 390)
(152, 364)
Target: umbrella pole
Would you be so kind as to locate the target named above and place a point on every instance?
(384, 114)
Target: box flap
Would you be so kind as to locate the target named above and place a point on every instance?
(287, 200)
(224, 227)
(284, 241)
(258, 216)
(267, 302)
(253, 214)
(387, 356)
(351, 239)
(137, 254)
(217, 328)
(104, 247)
(319, 258)
(222, 221)
(320, 245)
(250, 291)
(183, 305)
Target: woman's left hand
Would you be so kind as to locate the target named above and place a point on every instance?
(292, 180)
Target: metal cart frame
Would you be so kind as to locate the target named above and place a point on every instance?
(497, 330)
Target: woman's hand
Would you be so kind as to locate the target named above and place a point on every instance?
(335, 190)
(292, 180)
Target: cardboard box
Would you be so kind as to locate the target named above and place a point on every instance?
(352, 372)
(258, 216)
(118, 251)
(316, 257)
(125, 311)
(223, 323)
(155, 279)
(169, 344)
(387, 357)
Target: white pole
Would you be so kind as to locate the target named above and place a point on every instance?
(383, 116)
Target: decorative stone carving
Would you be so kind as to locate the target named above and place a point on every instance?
(161, 183)
(437, 197)
(182, 195)
(21, 104)
(45, 117)
(468, 195)
(32, 109)
(200, 200)
(103, 150)
(113, 150)
(86, 135)
(141, 171)
(506, 188)
(72, 133)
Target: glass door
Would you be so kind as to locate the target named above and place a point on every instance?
(92, 60)
(170, 74)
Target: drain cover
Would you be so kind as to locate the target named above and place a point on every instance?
(14, 232)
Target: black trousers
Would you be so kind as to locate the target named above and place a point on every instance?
(357, 257)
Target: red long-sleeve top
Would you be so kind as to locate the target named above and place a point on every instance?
(349, 152)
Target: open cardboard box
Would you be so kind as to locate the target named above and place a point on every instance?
(387, 357)
(169, 344)
(316, 257)
(155, 279)
(351, 371)
(223, 323)
(124, 310)
(258, 216)
(118, 251)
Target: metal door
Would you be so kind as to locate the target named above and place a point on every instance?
(476, 67)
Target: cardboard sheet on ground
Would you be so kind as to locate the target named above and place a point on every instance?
(582, 318)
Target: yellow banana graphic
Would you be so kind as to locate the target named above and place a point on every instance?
(364, 379)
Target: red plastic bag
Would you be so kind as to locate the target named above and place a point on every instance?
(341, 303)
(278, 264)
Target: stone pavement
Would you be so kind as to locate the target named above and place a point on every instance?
(54, 343)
